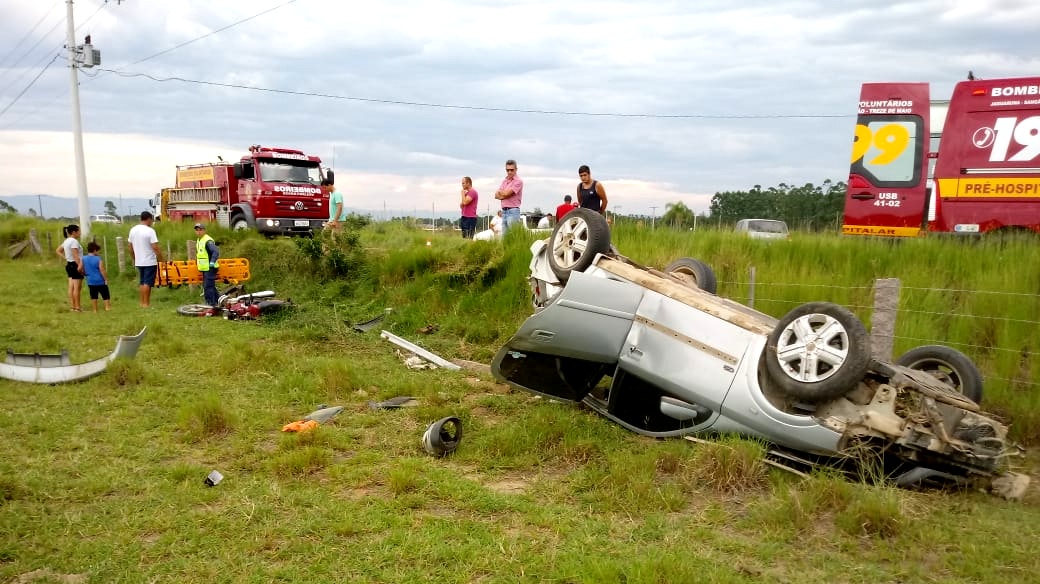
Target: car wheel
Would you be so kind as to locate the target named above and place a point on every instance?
(195, 310)
(239, 223)
(818, 351)
(694, 273)
(576, 240)
(947, 365)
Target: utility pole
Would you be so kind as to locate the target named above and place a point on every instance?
(39, 203)
(86, 56)
(653, 218)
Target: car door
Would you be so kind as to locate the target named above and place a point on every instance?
(690, 353)
(565, 348)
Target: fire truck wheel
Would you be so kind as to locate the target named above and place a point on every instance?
(239, 223)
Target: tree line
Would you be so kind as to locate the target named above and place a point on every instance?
(808, 207)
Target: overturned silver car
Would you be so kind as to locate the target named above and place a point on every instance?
(660, 354)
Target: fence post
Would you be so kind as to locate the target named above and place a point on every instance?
(120, 254)
(190, 249)
(883, 320)
(751, 287)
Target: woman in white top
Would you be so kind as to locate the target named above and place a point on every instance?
(73, 254)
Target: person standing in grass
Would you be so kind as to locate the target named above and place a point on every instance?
(591, 194)
(144, 250)
(337, 212)
(468, 204)
(97, 277)
(73, 254)
(511, 194)
(567, 206)
(206, 255)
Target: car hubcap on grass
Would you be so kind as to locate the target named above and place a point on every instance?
(812, 348)
(570, 243)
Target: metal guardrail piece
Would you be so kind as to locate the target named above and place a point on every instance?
(419, 351)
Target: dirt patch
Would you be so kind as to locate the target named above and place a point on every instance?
(46, 575)
(508, 486)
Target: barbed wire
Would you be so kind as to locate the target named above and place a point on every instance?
(871, 287)
(982, 347)
(783, 284)
(997, 292)
(1011, 381)
(960, 315)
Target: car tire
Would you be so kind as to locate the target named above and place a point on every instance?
(195, 310)
(239, 223)
(694, 273)
(947, 365)
(818, 351)
(576, 240)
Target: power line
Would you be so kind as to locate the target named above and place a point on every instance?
(209, 34)
(31, 83)
(32, 30)
(45, 67)
(477, 107)
(26, 54)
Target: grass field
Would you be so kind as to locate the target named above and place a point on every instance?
(102, 481)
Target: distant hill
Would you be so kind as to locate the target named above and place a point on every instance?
(54, 207)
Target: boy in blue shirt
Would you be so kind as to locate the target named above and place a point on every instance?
(97, 278)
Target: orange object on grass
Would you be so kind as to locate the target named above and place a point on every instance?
(300, 426)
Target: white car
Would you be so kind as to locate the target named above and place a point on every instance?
(660, 354)
(763, 228)
(105, 219)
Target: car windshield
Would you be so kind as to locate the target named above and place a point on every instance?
(286, 172)
(767, 226)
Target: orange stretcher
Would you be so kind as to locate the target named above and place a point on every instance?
(229, 271)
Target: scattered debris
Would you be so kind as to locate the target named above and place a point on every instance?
(415, 361)
(15, 249)
(213, 478)
(419, 351)
(300, 426)
(473, 366)
(428, 329)
(1011, 486)
(442, 437)
(394, 403)
(37, 368)
(364, 327)
(323, 414)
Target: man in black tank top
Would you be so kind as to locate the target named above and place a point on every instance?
(591, 194)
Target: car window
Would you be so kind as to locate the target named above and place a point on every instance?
(767, 226)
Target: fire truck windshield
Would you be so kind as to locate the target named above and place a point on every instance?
(285, 172)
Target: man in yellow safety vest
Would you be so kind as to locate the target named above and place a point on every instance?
(206, 255)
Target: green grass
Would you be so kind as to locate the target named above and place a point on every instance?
(105, 478)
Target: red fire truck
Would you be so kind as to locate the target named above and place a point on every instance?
(968, 165)
(276, 191)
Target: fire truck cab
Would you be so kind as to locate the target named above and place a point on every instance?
(968, 165)
(277, 191)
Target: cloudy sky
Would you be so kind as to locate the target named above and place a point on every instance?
(666, 100)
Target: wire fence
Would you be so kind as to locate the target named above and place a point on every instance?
(999, 328)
